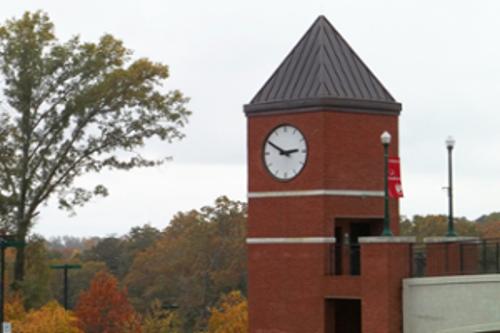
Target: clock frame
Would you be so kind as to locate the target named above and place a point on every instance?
(289, 143)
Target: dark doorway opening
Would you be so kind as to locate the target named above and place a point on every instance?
(359, 229)
(343, 316)
(338, 250)
(347, 256)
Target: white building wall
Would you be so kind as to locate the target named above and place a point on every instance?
(462, 304)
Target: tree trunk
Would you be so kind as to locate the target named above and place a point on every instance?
(20, 258)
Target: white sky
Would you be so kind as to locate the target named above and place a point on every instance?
(439, 58)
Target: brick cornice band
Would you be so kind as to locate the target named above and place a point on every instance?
(310, 193)
(291, 240)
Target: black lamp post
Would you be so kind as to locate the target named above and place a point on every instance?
(385, 138)
(5, 242)
(65, 269)
(450, 143)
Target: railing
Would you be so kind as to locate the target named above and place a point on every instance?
(456, 258)
(344, 259)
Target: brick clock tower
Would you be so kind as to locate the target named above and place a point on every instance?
(315, 182)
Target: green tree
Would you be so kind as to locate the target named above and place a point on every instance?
(35, 287)
(119, 253)
(110, 250)
(199, 256)
(136, 241)
(70, 108)
(140, 238)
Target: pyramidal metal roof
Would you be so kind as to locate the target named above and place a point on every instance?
(322, 71)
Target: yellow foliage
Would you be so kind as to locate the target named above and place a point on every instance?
(159, 320)
(14, 309)
(51, 318)
(231, 316)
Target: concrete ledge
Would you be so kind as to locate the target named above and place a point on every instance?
(450, 280)
(291, 240)
(429, 240)
(492, 327)
(385, 239)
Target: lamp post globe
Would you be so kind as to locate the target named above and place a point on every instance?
(450, 142)
(385, 138)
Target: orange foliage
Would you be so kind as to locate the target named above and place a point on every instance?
(232, 315)
(14, 309)
(105, 309)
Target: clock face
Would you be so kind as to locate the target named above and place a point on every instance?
(285, 152)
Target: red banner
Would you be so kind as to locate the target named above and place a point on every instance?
(394, 178)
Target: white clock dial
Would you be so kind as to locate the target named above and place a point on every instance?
(285, 152)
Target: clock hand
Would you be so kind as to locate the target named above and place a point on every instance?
(290, 151)
(282, 151)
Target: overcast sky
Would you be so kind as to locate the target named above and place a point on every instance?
(440, 59)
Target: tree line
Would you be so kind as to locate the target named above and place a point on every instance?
(421, 226)
(182, 272)
(184, 278)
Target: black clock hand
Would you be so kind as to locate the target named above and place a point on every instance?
(290, 151)
(282, 151)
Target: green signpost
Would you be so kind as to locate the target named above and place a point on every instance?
(5, 242)
(65, 268)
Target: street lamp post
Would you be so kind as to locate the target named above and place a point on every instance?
(450, 143)
(3, 246)
(65, 269)
(385, 138)
(5, 242)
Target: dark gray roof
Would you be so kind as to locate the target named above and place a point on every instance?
(322, 70)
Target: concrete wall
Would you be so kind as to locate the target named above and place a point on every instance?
(452, 304)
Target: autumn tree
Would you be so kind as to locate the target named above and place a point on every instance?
(69, 108)
(199, 256)
(490, 229)
(489, 225)
(160, 320)
(79, 280)
(14, 308)
(435, 225)
(230, 316)
(104, 308)
(51, 318)
(119, 252)
(492, 217)
(110, 250)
